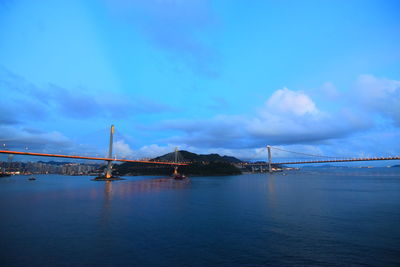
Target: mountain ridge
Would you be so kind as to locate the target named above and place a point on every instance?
(193, 157)
(197, 165)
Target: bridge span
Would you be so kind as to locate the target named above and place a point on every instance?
(269, 163)
(327, 161)
(90, 158)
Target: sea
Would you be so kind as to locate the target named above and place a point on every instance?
(306, 217)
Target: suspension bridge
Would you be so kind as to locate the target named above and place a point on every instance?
(325, 159)
(109, 159)
(88, 158)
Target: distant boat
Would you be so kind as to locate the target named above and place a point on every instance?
(32, 178)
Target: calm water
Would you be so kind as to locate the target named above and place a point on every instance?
(310, 217)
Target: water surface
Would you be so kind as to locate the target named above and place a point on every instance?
(309, 217)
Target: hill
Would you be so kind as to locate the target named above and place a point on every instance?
(193, 157)
(207, 165)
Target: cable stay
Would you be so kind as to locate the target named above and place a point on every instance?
(174, 157)
(305, 154)
(326, 159)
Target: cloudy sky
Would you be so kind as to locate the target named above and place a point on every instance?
(230, 77)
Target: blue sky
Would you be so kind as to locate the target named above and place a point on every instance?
(208, 76)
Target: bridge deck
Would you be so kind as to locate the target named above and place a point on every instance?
(172, 163)
(331, 161)
(83, 157)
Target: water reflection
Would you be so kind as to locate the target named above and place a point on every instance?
(106, 208)
(128, 188)
(271, 195)
(271, 185)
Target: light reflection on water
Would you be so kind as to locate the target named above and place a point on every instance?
(126, 189)
(309, 217)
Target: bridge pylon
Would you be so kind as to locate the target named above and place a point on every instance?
(269, 159)
(108, 173)
(108, 170)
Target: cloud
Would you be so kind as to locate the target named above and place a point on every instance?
(7, 116)
(287, 117)
(31, 139)
(285, 101)
(379, 96)
(250, 154)
(330, 91)
(175, 27)
(122, 149)
(75, 104)
(362, 145)
(41, 102)
(19, 138)
(292, 118)
(155, 150)
(24, 105)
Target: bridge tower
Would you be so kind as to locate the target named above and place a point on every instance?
(269, 159)
(108, 173)
(176, 161)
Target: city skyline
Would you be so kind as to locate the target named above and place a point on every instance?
(312, 76)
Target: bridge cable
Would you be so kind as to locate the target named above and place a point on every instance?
(311, 155)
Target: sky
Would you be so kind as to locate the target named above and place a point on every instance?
(228, 77)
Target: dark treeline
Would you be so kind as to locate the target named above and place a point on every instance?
(197, 169)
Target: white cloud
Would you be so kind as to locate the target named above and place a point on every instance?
(293, 117)
(288, 117)
(285, 101)
(122, 149)
(151, 151)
